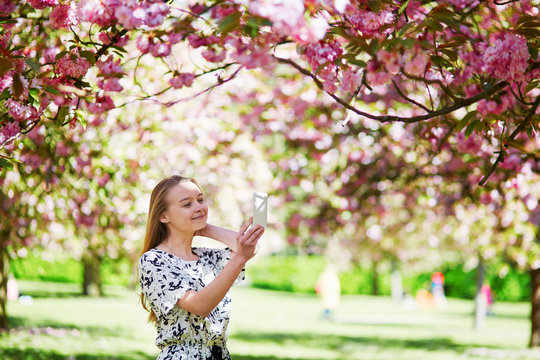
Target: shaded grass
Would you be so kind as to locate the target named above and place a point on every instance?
(265, 325)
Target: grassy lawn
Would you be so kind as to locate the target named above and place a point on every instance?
(265, 325)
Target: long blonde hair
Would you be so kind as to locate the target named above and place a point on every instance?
(156, 231)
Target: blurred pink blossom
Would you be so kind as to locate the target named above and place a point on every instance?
(109, 66)
(350, 80)
(21, 112)
(77, 68)
(63, 16)
(182, 79)
(507, 58)
(110, 84)
(8, 131)
(6, 7)
(42, 4)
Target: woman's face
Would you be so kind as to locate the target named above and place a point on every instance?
(186, 209)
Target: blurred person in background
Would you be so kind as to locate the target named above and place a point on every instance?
(185, 289)
(329, 290)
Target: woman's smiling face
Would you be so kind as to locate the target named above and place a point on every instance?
(187, 210)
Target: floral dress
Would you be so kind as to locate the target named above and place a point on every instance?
(182, 335)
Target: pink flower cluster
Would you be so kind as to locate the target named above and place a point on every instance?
(42, 4)
(72, 65)
(368, 22)
(154, 46)
(461, 4)
(251, 54)
(350, 80)
(63, 16)
(101, 105)
(287, 17)
(6, 7)
(112, 71)
(8, 131)
(321, 57)
(130, 14)
(182, 79)
(507, 59)
(21, 112)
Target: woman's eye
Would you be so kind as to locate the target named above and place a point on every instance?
(201, 200)
(187, 205)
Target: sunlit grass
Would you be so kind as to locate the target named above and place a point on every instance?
(59, 324)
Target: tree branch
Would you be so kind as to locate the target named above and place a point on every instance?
(512, 136)
(460, 103)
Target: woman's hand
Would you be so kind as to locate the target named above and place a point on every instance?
(247, 239)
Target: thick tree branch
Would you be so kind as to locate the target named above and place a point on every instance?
(460, 103)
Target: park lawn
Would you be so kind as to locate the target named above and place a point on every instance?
(265, 325)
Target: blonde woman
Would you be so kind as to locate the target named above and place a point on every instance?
(185, 289)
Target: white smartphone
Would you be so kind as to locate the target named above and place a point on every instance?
(260, 208)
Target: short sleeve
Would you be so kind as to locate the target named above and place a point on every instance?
(161, 284)
(222, 257)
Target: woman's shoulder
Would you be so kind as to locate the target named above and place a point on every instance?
(152, 256)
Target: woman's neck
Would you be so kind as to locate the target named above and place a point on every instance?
(179, 244)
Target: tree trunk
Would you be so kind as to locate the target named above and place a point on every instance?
(92, 285)
(480, 309)
(396, 282)
(375, 278)
(535, 310)
(4, 274)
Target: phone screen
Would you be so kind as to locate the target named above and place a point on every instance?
(260, 208)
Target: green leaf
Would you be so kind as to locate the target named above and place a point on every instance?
(465, 120)
(529, 33)
(470, 128)
(375, 5)
(5, 66)
(8, 21)
(18, 87)
(60, 55)
(62, 113)
(88, 55)
(229, 23)
(5, 94)
(80, 117)
(33, 93)
(5, 163)
(51, 90)
(33, 64)
(439, 61)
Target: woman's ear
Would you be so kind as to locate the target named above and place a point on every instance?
(163, 219)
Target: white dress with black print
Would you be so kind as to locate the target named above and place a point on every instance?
(182, 335)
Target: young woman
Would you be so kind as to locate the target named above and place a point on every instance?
(185, 289)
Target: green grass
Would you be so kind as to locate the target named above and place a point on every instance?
(265, 325)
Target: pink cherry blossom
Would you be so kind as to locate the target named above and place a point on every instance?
(42, 4)
(160, 49)
(21, 112)
(8, 131)
(63, 16)
(77, 68)
(6, 7)
(156, 14)
(417, 65)
(507, 58)
(350, 80)
(461, 4)
(100, 105)
(212, 55)
(368, 22)
(110, 84)
(182, 79)
(110, 66)
(130, 17)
